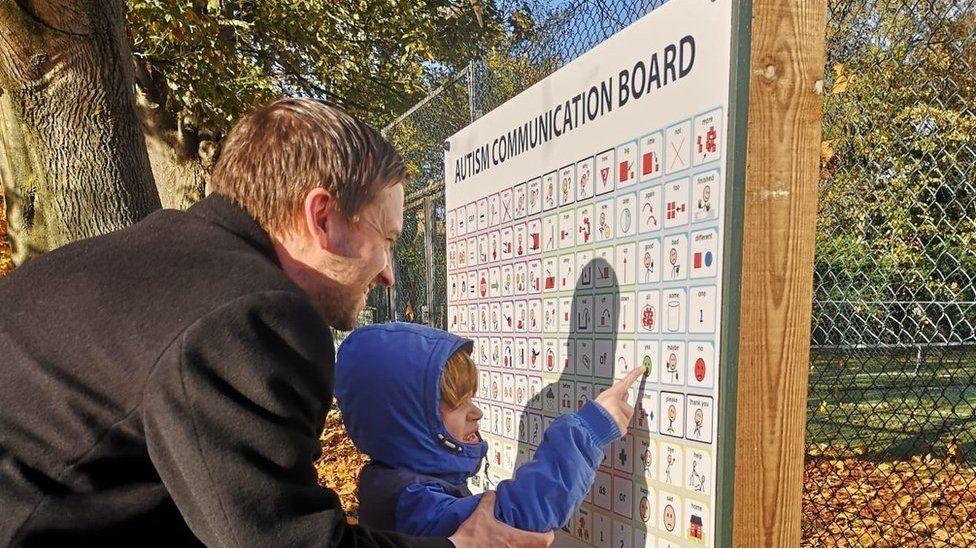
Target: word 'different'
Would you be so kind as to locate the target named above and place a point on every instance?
(661, 68)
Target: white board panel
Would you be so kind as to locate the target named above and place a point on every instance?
(585, 230)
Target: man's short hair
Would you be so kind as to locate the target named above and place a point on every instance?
(274, 156)
(459, 379)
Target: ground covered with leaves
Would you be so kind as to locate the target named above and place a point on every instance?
(917, 502)
(6, 263)
(339, 466)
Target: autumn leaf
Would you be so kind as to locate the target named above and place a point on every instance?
(840, 84)
(841, 79)
(826, 151)
(340, 464)
(921, 501)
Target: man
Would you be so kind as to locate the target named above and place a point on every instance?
(166, 384)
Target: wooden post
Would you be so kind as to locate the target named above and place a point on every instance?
(780, 213)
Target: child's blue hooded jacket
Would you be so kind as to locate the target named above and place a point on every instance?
(387, 382)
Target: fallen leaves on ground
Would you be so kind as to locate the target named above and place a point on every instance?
(6, 261)
(916, 502)
(339, 466)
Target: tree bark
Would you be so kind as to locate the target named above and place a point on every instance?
(25, 223)
(181, 154)
(180, 182)
(79, 166)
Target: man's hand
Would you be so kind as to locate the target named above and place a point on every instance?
(614, 400)
(482, 529)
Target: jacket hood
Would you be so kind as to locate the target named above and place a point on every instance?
(387, 382)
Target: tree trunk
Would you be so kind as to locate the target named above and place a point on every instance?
(75, 155)
(25, 223)
(181, 154)
(180, 182)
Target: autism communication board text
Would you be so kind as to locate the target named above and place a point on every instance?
(585, 238)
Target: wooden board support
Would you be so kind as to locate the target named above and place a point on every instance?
(779, 223)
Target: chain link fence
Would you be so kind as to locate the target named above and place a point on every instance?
(891, 428)
(891, 420)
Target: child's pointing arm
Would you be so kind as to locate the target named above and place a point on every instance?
(545, 492)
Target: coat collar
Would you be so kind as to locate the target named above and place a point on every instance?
(226, 213)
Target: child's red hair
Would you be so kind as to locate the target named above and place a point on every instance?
(459, 379)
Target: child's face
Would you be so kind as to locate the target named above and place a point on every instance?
(462, 422)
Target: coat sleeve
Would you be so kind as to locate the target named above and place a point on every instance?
(427, 510)
(545, 492)
(232, 415)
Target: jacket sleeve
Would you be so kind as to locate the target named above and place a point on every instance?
(232, 414)
(427, 510)
(545, 492)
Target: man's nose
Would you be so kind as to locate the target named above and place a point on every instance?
(478, 414)
(386, 278)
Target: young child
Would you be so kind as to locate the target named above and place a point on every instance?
(405, 393)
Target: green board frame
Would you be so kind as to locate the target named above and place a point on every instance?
(732, 275)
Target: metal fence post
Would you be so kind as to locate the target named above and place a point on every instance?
(429, 254)
(390, 293)
(391, 303)
(474, 91)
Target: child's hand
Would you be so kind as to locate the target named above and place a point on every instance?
(614, 400)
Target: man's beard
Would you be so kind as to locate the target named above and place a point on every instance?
(339, 307)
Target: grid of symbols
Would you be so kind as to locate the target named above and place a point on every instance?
(570, 279)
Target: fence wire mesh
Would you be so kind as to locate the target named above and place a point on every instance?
(891, 412)
(892, 399)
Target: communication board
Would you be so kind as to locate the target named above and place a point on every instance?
(585, 231)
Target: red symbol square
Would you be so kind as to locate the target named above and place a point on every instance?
(648, 165)
(673, 209)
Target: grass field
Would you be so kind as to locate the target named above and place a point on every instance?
(882, 404)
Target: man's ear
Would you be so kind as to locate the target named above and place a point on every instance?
(319, 215)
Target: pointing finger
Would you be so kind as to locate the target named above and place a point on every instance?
(628, 381)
